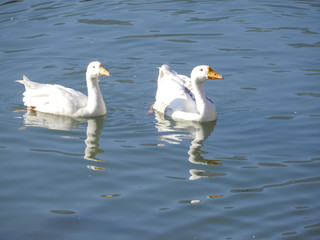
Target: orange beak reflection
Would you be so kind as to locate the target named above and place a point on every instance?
(214, 75)
(104, 71)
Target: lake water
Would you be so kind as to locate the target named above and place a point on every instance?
(252, 174)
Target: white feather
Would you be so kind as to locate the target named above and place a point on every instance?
(181, 97)
(56, 99)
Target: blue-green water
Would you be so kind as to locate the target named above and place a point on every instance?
(253, 174)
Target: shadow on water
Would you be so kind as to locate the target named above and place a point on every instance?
(177, 131)
(65, 123)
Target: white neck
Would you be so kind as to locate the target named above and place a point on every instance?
(205, 109)
(95, 99)
(201, 99)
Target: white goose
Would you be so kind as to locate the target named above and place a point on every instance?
(183, 98)
(56, 99)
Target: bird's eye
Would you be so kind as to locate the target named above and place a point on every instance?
(94, 66)
(201, 69)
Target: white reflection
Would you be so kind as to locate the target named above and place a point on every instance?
(50, 121)
(56, 122)
(176, 131)
(95, 126)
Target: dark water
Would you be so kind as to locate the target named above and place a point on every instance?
(253, 174)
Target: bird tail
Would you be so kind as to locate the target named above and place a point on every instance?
(25, 81)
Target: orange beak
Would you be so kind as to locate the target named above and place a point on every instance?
(213, 75)
(103, 71)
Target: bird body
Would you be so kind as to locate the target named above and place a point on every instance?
(183, 98)
(60, 100)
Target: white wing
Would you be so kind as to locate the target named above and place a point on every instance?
(54, 99)
(174, 92)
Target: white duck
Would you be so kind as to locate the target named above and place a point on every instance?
(56, 99)
(183, 98)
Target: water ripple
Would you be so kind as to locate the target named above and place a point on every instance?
(288, 183)
(62, 212)
(56, 151)
(301, 29)
(105, 22)
(305, 45)
(196, 19)
(171, 35)
(311, 94)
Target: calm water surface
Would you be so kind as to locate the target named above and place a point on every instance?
(252, 174)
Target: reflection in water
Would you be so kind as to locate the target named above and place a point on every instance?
(57, 122)
(95, 126)
(176, 131)
(50, 121)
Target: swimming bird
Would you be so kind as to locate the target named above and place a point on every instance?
(183, 98)
(60, 100)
